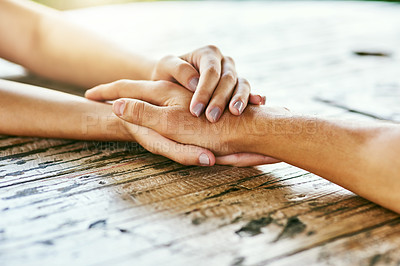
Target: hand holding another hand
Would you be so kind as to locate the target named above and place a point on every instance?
(213, 79)
(159, 120)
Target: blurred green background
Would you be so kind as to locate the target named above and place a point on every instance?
(72, 4)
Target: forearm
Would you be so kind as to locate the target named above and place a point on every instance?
(46, 43)
(33, 111)
(362, 157)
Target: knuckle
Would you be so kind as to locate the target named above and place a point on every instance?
(229, 76)
(229, 59)
(213, 48)
(212, 71)
(120, 87)
(121, 82)
(182, 67)
(166, 58)
(163, 85)
(218, 101)
(243, 81)
(137, 110)
(204, 95)
(160, 65)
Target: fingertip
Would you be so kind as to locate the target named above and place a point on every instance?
(237, 106)
(206, 158)
(263, 100)
(94, 94)
(214, 114)
(257, 99)
(197, 109)
(233, 110)
(119, 107)
(89, 94)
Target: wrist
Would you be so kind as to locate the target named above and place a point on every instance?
(263, 128)
(117, 130)
(102, 124)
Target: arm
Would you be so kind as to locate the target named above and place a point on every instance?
(34, 111)
(362, 157)
(45, 42)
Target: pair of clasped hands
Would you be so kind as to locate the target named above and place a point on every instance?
(181, 114)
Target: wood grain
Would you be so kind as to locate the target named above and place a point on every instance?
(66, 202)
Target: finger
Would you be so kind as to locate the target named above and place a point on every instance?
(117, 89)
(181, 71)
(183, 154)
(245, 159)
(224, 90)
(155, 92)
(257, 99)
(139, 113)
(210, 72)
(240, 97)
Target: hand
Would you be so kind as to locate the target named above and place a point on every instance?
(174, 96)
(213, 79)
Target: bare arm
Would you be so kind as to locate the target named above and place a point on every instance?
(45, 42)
(362, 157)
(33, 111)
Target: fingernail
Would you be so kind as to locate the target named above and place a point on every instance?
(239, 106)
(215, 113)
(119, 107)
(193, 84)
(263, 100)
(198, 109)
(203, 159)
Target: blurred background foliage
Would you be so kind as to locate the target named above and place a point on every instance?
(72, 4)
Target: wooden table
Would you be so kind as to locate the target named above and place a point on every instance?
(66, 202)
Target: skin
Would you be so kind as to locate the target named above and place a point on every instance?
(41, 112)
(37, 41)
(359, 156)
(171, 94)
(34, 111)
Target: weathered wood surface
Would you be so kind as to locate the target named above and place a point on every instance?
(68, 202)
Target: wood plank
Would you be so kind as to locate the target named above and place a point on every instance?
(84, 203)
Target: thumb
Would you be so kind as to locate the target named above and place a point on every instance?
(180, 70)
(138, 112)
(181, 153)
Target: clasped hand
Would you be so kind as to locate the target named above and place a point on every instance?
(156, 113)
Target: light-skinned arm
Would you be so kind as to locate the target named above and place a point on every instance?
(34, 111)
(47, 43)
(359, 156)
